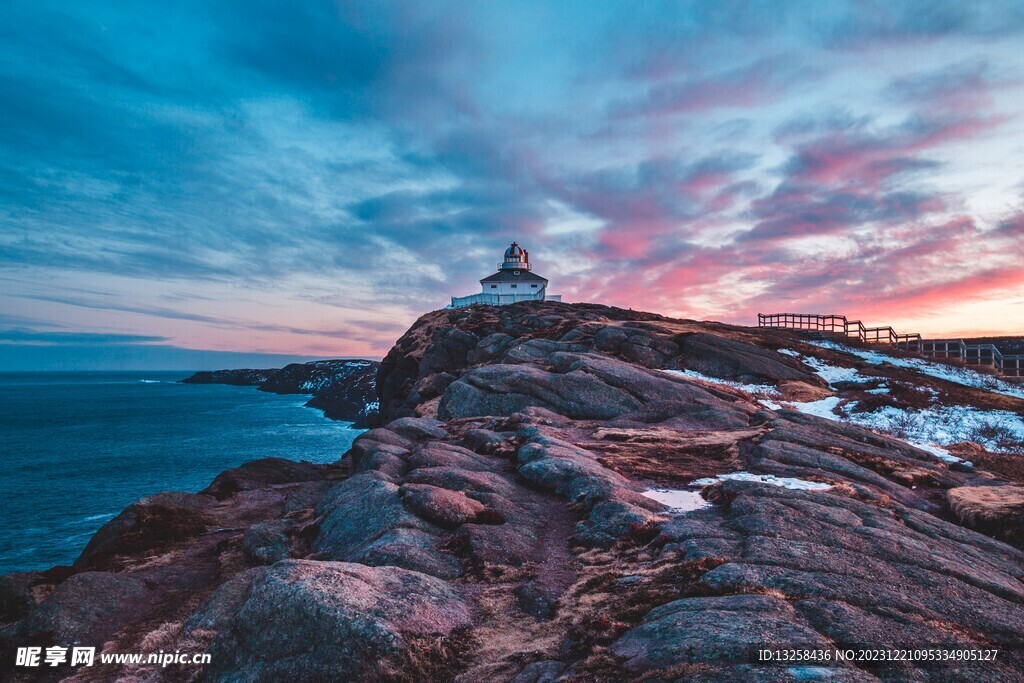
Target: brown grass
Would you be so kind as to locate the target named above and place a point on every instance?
(1008, 465)
(600, 608)
(903, 473)
(427, 658)
(980, 505)
(668, 457)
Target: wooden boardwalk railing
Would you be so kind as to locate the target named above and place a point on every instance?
(832, 326)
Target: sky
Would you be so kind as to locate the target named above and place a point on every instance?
(182, 180)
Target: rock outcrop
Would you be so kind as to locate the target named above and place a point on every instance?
(343, 389)
(495, 524)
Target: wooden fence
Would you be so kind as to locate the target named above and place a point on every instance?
(985, 356)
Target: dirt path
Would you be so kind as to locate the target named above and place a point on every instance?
(517, 613)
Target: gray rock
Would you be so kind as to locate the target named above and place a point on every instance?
(448, 455)
(441, 506)
(505, 544)
(430, 386)
(356, 512)
(259, 473)
(540, 672)
(610, 520)
(456, 479)
(266, 542)
(718, 356)
(721, 630)
(489, 348)
(533, 599)
(16, 596)
(609, 339)
(304, 621)
(306, 496)
(507, 389)
(371, 456)
(222, 604)
(447, 352)
(483, 440)
(411, 549)
(87, 609)
(418, 428)
(644, 355)
(149, 523)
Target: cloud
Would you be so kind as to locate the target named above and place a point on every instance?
(743, 87)
(41, 338)
(283, 177)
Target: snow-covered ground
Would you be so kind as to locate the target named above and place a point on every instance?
(833, 373)
(950, 373)
(943, 425)
(785, 482)
(678, 501)
(930, 429)
(757, 390)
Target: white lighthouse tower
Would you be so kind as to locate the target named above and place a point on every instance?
(514, 281)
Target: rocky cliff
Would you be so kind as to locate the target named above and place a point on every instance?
(574, 492)
(343, 389)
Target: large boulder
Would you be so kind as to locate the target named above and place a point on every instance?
(86, 609)
(717, 356)
(357, 512)
(720, 629)
(16, 594)
(266, 542)
(582, 386)
(998, 510)
(441, 506)
(303, 620)
(412, 549)
(149, 523)
(259, 473)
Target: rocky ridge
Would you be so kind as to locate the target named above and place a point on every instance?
(343, 389)
(493, 525)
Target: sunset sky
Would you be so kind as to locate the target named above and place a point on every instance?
(308, 178)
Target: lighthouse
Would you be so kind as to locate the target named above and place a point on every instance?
(514, 281)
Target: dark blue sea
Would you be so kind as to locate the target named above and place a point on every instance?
(78, 448)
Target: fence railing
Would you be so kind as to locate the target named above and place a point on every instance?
(502, 299)
(974, 355)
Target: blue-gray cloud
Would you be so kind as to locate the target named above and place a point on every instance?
(58, 338)
(248, 143)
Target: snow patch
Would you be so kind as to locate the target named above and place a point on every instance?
(757, 390)
(824, 408)
(785, 482)
(833, 373)
(678, 501)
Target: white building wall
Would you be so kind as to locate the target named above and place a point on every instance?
(511, 288)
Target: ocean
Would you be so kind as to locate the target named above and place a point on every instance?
(77, 448)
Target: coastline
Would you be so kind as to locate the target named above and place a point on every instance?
(81, 448)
